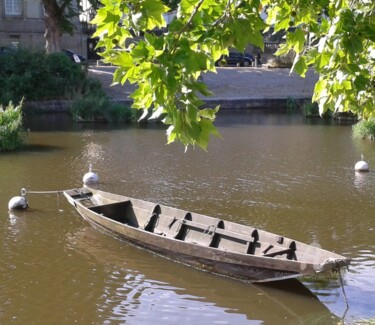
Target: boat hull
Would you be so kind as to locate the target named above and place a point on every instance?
(214, 249)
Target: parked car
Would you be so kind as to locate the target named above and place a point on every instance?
(74, 56)
(237, 59)
(6, 50)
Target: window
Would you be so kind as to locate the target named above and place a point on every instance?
(13, 7)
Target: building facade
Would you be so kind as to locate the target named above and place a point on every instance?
(22, 25)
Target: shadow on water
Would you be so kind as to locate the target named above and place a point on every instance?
(64, 122)
(229, 118)
(33, 148)
(40, 148)
(265, 302)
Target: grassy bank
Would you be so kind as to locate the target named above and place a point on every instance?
(364, 129)
(11, 127)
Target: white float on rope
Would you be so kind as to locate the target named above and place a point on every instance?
(18, 202)
(361, 166)
(90, 177)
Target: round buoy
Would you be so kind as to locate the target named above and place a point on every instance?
(90, 177)
(18, 202)
(361, 166)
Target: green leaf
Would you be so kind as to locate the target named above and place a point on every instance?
(361, 82)
(322, 60)
(296, 40)
(300, 66)
(206, 129)
(123, 59)
(187, 6)
(209, 113)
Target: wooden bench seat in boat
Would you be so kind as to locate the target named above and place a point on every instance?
(219, 237)
(118, 211)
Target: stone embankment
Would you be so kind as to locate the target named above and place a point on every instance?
(252, 87)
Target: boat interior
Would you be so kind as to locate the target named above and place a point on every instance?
(194, 228)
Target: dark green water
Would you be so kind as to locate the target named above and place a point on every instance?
(284, 174)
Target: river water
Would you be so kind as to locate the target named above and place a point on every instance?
(285, 174)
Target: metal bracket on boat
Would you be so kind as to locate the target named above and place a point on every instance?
(210, 230)
(172, 222)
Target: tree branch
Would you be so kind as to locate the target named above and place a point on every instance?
(195, 11)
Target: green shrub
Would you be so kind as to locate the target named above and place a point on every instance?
(291, 105)
(310, 109)
(65, 77)
(94, 108)
(10, 127)
(38, 76)
(118, 112)
(88, 108)
(92, 86)
(364, 129)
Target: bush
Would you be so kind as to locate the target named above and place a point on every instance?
(94, 108)
(364, 129)
(291, 105)
(38, 76)
(10, 127)
(310, 109)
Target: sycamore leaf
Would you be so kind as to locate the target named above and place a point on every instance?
(206, 129)
(361, 82)
(152, 11)
(300, 66)
(322, 60)
(209, 113)
(296, 40)
(123, 59)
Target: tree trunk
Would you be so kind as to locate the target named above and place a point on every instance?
(52, 17)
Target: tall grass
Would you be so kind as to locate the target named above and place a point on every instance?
(10, 127)
(364, 129)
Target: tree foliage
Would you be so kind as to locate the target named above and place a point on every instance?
(335, 37)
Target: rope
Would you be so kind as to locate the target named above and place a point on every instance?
(345, 298)
(343, 289)
(24, 192)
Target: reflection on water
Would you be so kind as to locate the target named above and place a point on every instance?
(361, 179)
(141, 288)
(280, 173)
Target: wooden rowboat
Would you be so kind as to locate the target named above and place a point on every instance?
(215, 245)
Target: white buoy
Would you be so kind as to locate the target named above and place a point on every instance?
(18, 202)
(90, 177)
(361, 166)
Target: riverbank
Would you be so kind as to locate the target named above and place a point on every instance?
(232, 87)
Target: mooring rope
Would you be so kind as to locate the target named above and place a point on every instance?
(24, 192)
(343, 289)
